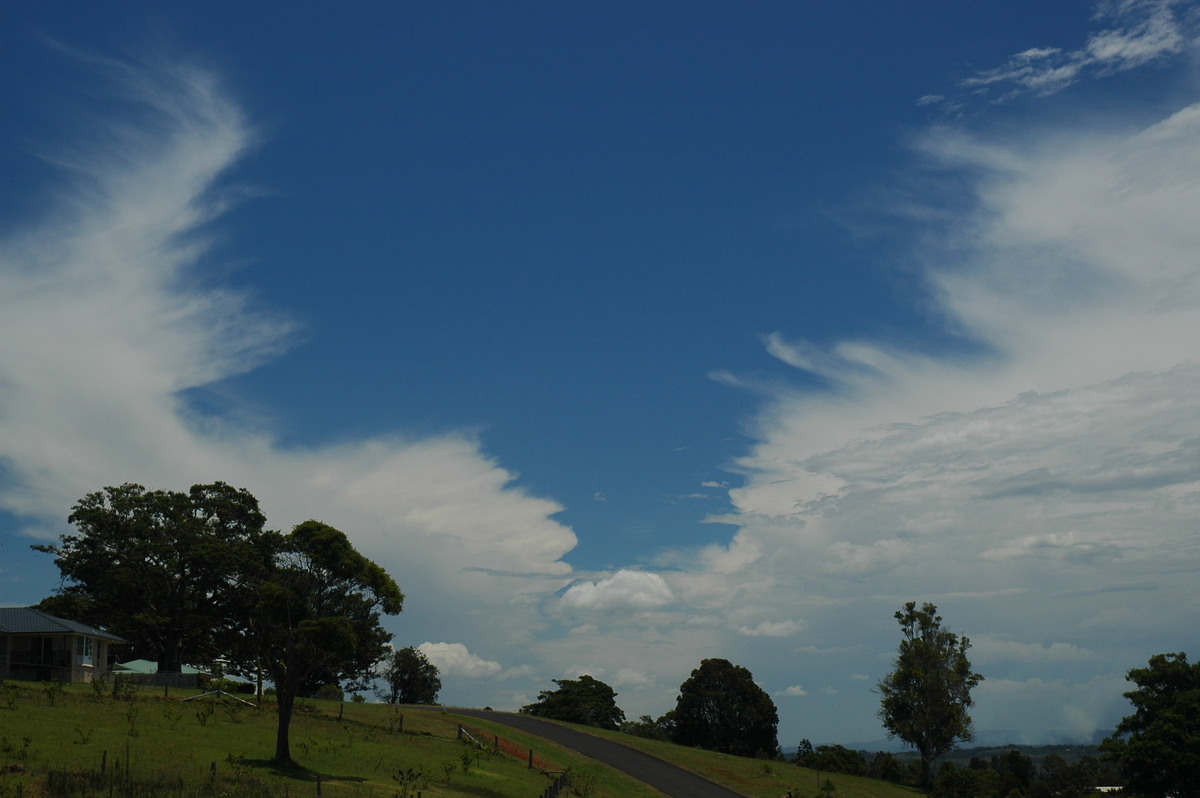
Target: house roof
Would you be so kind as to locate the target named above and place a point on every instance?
(145, 666)
(29, 621)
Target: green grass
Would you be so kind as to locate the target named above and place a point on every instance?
(758, 778)
(54, 741)
(158, 746)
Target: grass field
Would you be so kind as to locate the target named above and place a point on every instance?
(76, 741)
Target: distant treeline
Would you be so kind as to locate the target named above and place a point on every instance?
(1037, 771)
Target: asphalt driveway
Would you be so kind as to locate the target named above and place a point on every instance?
(668, 778)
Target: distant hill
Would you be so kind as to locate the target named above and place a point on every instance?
(994, 744)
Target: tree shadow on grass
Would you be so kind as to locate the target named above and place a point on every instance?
(480, 790)
(295, 771)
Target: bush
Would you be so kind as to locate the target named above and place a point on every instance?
(329, 692)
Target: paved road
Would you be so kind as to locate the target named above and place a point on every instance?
(674, 781)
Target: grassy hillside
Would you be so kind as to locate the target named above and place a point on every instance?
(79, 742)
(759, 778)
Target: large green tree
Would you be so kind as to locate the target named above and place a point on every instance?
(1158, 746)
(193, 576)
(317, 612)
(720, 708)
(166, 570)
(927, 695)
(584, 700)
(410, 678)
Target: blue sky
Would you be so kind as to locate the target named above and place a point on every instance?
(625, 335)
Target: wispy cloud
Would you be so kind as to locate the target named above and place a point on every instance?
(1060, 459)
(1138, 32)
(1012, 488)
(109, 313)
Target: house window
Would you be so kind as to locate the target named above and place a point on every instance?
(83, 651)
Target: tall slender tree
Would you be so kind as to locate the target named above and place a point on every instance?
(927, 695)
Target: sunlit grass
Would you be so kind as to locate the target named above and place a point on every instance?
(83, 743)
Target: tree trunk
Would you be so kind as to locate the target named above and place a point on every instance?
(170, 661)
(287, 703)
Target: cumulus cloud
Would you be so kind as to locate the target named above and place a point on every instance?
(624, 590)
(794, 690)
(454, 659)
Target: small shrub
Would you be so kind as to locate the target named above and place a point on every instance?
(233, 709)
(99, 687)
(224, 685)
(172, 716)
(329, 692)
(14, 750)
(410, 780)
(204, 712)
(124, 688)
(53, 689)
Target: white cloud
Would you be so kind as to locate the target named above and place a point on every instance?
(1041, 485)
(794, 690)
(624, 590)
(1042, 492)
(454, 659)
(1142, 32)
(986, 650)
(108, 312)
(772, 629)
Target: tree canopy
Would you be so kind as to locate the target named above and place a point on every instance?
(163, 569)
(410, 678)
(317, 612)
(1158, 746)
(927, 695)
(584, 700)
(720, 708)
(194, 576)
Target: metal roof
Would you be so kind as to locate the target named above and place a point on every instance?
(146, 667)
(30, 621)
